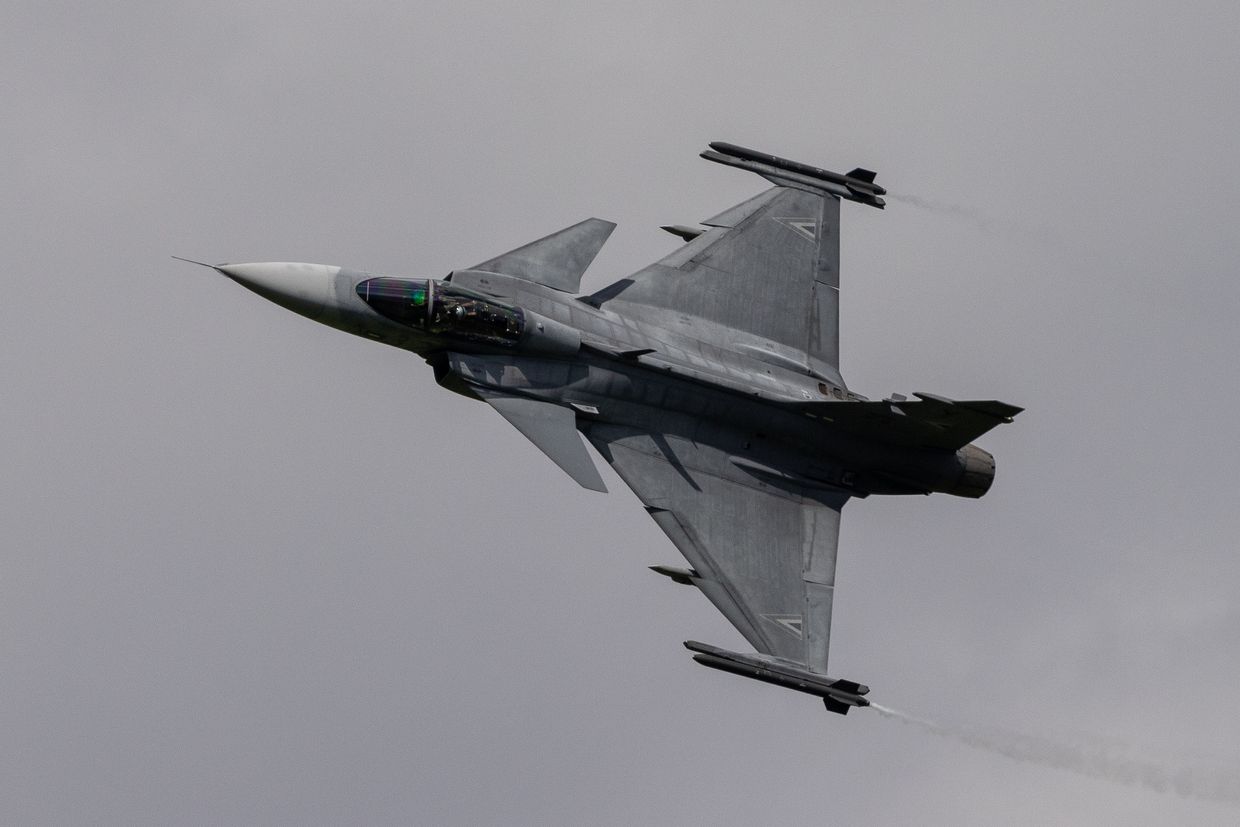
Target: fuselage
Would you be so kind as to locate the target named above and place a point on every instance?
(482, 330)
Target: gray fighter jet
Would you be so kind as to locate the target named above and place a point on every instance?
(709, 381)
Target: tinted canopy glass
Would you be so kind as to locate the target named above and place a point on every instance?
(440, 308)
(401, 300)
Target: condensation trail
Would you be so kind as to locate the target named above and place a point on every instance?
(957, 210)
(988, 225)
(1094, 761)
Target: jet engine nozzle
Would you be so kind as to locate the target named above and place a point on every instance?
(307, 289)
(977, 472)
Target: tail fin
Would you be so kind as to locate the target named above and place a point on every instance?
(931, 421)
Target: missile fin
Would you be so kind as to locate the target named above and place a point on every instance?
(838, 707)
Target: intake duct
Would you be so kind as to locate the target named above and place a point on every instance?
(547, 336)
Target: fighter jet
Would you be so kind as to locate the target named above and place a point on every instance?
(709, 381)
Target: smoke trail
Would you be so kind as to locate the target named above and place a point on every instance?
(1093, 761)
(973, 216)
(1041, 234)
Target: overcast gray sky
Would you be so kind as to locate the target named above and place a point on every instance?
(258, 571)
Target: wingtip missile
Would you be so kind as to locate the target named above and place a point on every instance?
(838, 695)
(857, 185)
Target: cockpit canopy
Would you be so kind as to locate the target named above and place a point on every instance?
(439, 308)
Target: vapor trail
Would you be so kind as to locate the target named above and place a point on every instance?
(1093, 761)
(972, 215)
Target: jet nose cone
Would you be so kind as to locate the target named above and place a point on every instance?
(307, 289)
